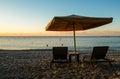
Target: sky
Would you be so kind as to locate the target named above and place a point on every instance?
(29, 17)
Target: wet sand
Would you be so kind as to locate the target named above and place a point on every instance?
(35, 64)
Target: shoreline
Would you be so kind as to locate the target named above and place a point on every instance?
(25, 49)
(2, 51)
(47, 50)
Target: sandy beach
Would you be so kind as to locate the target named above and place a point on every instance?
(35, 64)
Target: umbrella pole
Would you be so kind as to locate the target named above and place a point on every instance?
(74, 38)
(74, 42)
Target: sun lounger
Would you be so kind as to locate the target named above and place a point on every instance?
(60, 55)
(99, 55)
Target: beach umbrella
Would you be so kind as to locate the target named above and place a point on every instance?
(76, 23)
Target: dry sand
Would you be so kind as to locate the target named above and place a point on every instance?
(35, 64)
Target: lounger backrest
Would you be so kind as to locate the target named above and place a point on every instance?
(99, 52)
(60, 52)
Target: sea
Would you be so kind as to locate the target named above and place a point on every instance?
(47, 42)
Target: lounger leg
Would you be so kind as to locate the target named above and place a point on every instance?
(108, 62)
(92, 63)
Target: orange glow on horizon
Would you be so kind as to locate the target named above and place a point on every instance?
(78, 33)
